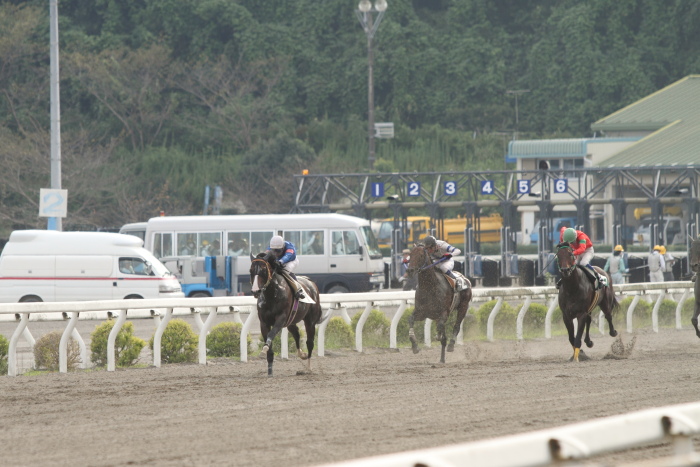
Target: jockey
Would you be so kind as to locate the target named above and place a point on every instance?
(286, 255)
(583, 251)
(441, 250)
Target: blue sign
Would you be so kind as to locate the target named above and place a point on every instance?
(378, 189)
(561, 185)
(523, 187)
(413, 188)
(487, 187)
(450, 188)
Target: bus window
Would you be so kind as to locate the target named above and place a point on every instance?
(345, 243)
(163, 245)
(293, 236)
(312, 242)
(238, 244)
(209, 243)
(260, 241)
(187, 244)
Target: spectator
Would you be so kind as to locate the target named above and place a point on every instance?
(615, 265)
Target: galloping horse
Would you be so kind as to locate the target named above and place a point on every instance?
(577, 298)
(435, 299)
(277, 307)
(695, 266)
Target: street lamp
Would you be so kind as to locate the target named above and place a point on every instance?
(365, 13)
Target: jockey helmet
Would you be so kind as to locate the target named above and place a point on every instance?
(276, 242)
(569, 235)
(429, 241)
(618, 248)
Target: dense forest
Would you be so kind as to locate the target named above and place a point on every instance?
(160, 98)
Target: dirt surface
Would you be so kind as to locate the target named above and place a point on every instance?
(351, 406)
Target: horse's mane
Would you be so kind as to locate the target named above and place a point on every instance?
(564, 245)
(269, 257)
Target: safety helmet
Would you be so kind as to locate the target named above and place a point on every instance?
(429, 241)
(276, 242)
(205, 243)
(569, 235)
(618, 248)
(657, 248)
(662, 249)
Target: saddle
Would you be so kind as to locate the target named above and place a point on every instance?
(295, 285)
(589, 274)
(465, 282)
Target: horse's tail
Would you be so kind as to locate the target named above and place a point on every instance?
(615, 304)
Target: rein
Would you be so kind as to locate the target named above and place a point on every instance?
(432, 264)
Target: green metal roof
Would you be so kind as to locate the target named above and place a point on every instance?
(672, 114)
(547, 148)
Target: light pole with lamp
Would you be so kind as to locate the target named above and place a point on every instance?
(365, 12)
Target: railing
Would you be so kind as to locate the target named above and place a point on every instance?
(677, 423)
(162, 310)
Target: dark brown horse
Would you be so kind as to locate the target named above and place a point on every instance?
(434, 299)
(578, 298)
(278, 309)
(695, 266)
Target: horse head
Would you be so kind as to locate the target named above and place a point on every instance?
(262, 270)
(419, 259)
(566, 261)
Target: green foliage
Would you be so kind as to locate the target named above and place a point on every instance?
(667, 313)
(375, 332)
(46, 352)
(178, 343)
(641, 317)
(127, 347)
(339, 334)
(687, 310)
(4, 347)
(224, 340)
(505, 323)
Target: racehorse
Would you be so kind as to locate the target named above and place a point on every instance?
(695, 266)
(277, 307)
(435, 299)
(578, 297)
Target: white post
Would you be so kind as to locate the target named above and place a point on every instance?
(655, 312)
(158, 336)
(360, 325)
(521, 318)
(12, 350)
(395, 322)
(630, 312)
(111, 358)
(492, 319)
(202, 346)
(63, 345)
(548, 318)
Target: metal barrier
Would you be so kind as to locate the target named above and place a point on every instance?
(162, 311)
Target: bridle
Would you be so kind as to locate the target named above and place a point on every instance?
(568, 270)
(269, 273)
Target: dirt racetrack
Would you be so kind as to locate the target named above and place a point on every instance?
(352, 405)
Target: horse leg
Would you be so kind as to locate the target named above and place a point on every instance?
(694, 319)
(411, 334)
(587, 339)
(442, 336)
(577, 339)
(461, 313)
(294, 331)
(310, 340)
(276, 328)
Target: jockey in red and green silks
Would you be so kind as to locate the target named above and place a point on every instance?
(582, 249)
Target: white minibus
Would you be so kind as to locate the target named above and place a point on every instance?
(338, 252)
(52, 266)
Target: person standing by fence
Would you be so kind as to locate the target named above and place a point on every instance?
(616, 266)
(669, 260)
(656, 264)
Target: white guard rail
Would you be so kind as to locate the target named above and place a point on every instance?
(555, 446)
(332, 303)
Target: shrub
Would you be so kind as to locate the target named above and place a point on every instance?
(46, 351)
(533, 324)
(641, 317)
(688, 310)
(4, 349)
(339, 334)
(470, 330)
(504, 326)
(667, 313)
(375, 332)
(178, 343)
(224, 340)
(127, 347)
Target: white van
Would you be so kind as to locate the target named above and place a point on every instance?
(51, 266)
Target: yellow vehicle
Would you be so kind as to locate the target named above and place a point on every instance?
(667, 210)
(450, 230)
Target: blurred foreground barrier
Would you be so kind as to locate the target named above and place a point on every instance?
(676, 423)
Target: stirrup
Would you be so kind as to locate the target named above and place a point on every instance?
(300, 295)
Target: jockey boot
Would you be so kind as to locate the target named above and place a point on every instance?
(299, 294)
(458, 281)
(598, 284)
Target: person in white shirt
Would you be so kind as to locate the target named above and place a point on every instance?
(656, 264)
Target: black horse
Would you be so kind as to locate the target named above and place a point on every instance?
(435, 299)
(277, 307)
(695, 266)
(578, 297)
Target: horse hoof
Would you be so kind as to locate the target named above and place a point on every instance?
(697, 333)
(451, 348)
(589, 344)
(416, 349)
(614, 334)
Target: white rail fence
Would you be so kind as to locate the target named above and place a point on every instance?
(163, 310)
(564, 445)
